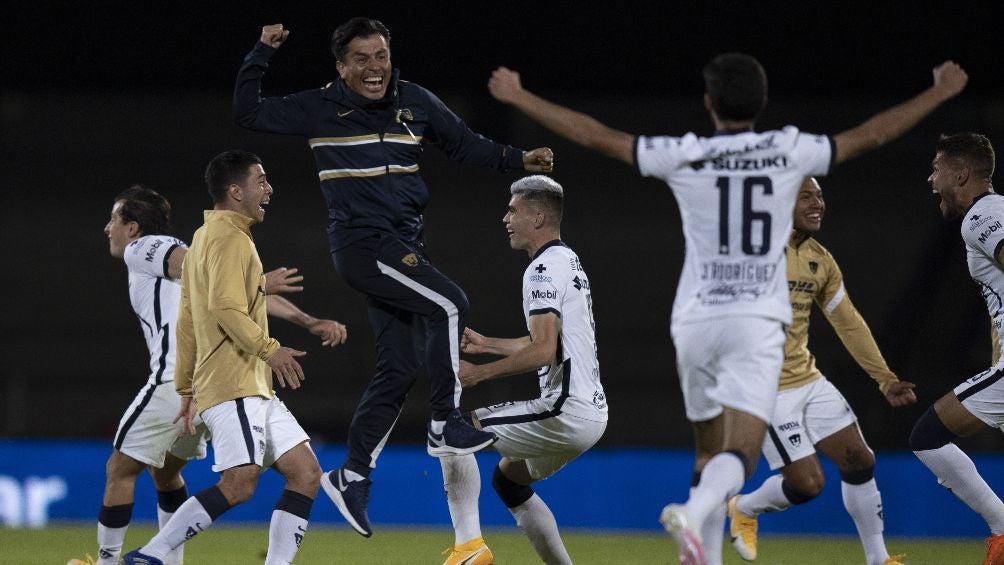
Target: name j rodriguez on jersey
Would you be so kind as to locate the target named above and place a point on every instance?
(738, 271)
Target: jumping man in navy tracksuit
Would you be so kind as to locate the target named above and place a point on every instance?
(366, 129)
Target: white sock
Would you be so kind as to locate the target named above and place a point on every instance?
(534, 518)
(110, 544)
(864, 503)
(462, 482)
(956, 472)
(285, 532)
(768, 497)
(721, 479)
(177, 555)
(189, 520)
(712, 534)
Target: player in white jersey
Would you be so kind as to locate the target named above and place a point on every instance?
(736, 191)
(963, 170)
(148, 436)
(540, 436)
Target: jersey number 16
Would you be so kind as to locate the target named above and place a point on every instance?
(751, 218)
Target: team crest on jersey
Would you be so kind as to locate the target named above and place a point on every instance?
(795, 440)
(813, 266)
(410, 259)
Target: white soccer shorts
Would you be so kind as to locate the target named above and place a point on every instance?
(528, 432)
(251, 430)
(804, 416)
(734, 362)
(146, 431)
(983, 395)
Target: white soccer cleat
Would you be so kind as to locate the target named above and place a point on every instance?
(674, 519)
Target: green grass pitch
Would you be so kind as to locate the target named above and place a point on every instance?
(228, 544)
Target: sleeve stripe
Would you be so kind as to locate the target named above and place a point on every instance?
(836, 300)
(634, 154)
(168, 256)
(833, 155)
(539, 311)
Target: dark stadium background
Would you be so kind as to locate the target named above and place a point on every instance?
(98, 96)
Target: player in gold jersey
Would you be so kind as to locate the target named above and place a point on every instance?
(810, 413)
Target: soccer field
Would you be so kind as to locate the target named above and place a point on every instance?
(231, 545)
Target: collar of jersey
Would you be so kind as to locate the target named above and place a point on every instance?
(236, 219)
(544, 247)
(727, 131)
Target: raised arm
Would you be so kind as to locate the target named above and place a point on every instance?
(949, 80)
(584, 130)
(286, 115)
(539, 350)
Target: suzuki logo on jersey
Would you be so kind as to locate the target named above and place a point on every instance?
(544, 294)
(580, 284)
(990, 229)
(775, 162)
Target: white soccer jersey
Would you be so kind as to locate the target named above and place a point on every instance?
(555, 282)
(736, 192)
(155, 298)
(983, 232)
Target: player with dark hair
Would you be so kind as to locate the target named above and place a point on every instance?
(962, 177)
(810, 413)
(224, 371)
(367, 130)
(736, 191)
(148, 437)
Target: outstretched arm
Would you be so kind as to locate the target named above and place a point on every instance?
(332, 333)
(539, 350)
(857, 338)
(505, 86)
(949, 80)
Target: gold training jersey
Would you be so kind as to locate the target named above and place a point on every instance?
(813, 276)
(223, 337)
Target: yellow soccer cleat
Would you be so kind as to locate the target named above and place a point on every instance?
(742, 529)
(895, 559)
(87, 560)
(472, 552)
(995, 550)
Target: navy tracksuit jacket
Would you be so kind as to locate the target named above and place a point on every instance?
(367, 156)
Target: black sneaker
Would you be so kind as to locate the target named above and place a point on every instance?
(351, 498)
(458, 437)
